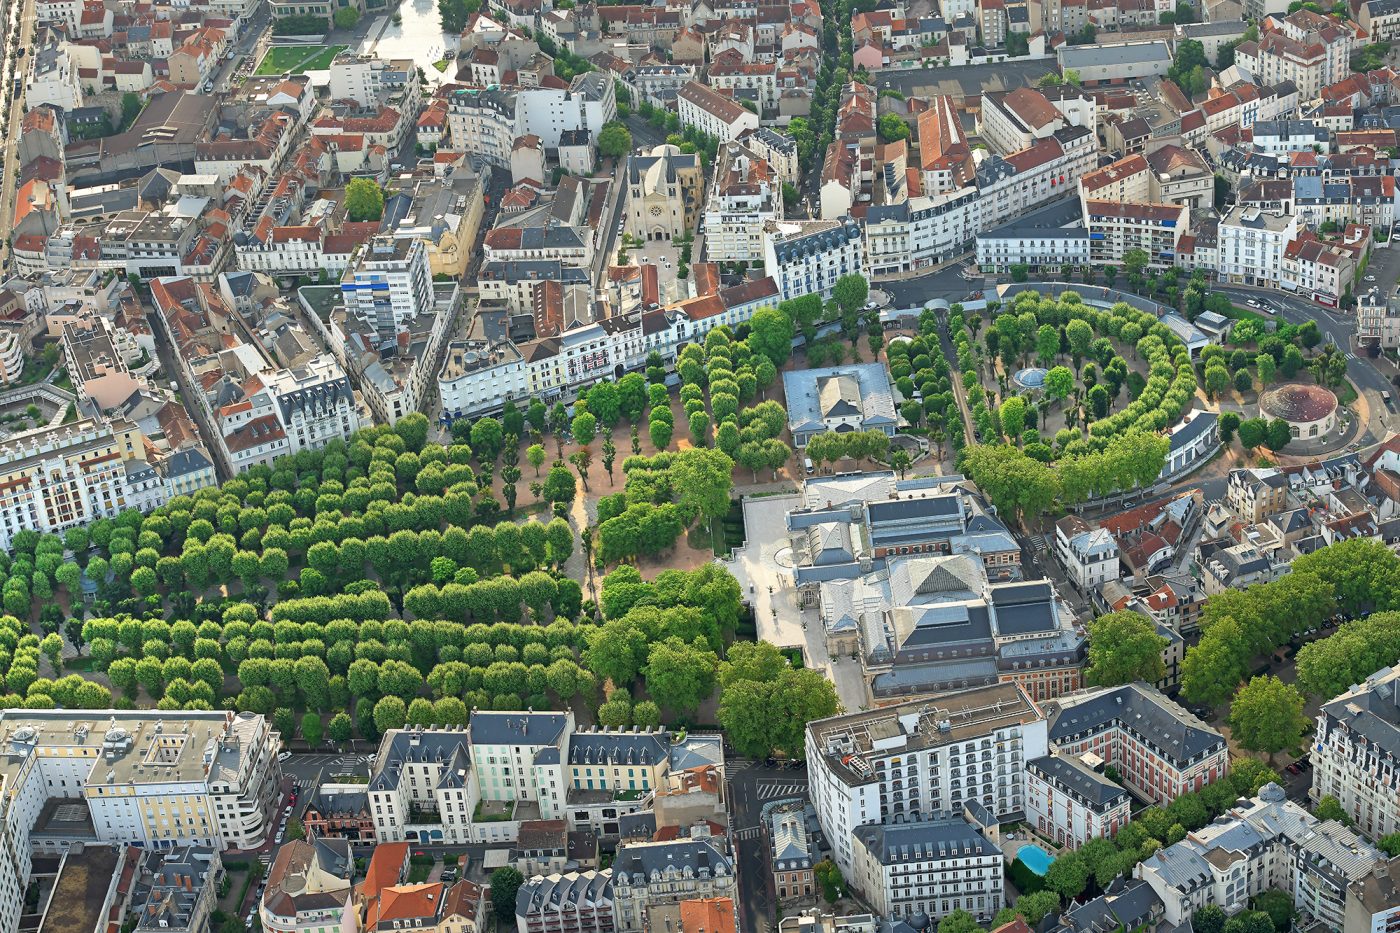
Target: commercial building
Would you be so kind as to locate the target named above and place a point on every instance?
(920, 759)
(1251, 245)
(839, 399)
(1356, 753)
(1117, 62)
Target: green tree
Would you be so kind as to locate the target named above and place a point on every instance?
(1059, 382)
(505, 883)
(364, 200)
(1209, 919)
(1250, 921)
(339, 727)
(1124, 647)
(614, 142)
(959, 921)
(584, 428)
(131, 108)
(1229, 423)
(1267, 715)
(1279, 434)
(1068, 875)
(1253, 433)
(390, 713)
(1328, 808)
(346, 18)
(850, 293)
(681, 675)
(892, 128)
(771, 332)
(1279, 907)
(311, 729)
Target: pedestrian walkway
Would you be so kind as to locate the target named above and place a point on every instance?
(778, 791)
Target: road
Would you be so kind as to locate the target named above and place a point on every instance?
(189, 394)
(751, 785)
(9, 183)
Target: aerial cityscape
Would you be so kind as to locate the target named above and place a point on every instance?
(700, 466)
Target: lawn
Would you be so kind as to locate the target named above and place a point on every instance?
(297, 59)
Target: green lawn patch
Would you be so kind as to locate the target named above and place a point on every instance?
(417, 874)
(441, 65)
(297, 59)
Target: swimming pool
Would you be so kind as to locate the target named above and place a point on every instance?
(1035, 858)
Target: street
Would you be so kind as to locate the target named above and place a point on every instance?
(14, 67)
(751, 785)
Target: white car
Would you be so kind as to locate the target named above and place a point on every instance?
(283, 756)
(1252, 303)
(1370, 278)
(281, 834)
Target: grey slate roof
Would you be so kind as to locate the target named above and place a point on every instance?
(1138, 709)
(930, 840)
(646, 862)
(619, 748)
(533, 728)
(554, 893)
(1072, 776)
(1372, 710)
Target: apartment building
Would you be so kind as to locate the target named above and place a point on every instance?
(1309, 49)
(1012, 121)
(648, 876)
(1321, 271)
(1356, 753)
(1266, 842)
(1378, 319)
(1128, 179)
(922, 758)
(576, 902)
(745, 195)
(156, 780)
(388, 284)
(309, 889)
(1157, 747)
(712, 113)
(1373, 902)
(1116, 227)
(1069, 801)
(1251, 245)
(175, 890)
(480, 378)
(806, 257)
(54, 478)
(928, 868)
(1089, 555)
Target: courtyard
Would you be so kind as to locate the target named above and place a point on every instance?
(297, 59)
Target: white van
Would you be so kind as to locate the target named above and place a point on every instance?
(807, 465)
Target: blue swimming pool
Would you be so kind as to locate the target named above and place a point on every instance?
(1035, 858)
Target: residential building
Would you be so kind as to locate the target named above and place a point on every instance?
(1012, 121)
(745, 195)
(713, 113)
(339, 811)
(1069, 801)
(1309, 49)
(651, 875)
(921, 758)
(1158, 748)
(1252, 243)
(792, 853)
(53, 77)
(1318, 270)
(1378, 319)
(388, 285)
(1373, 902)
(1265, 842)
(806, 257)
(176, 891)
(1117, 227)
(162, 781)
(309, 889)
(1356, 753)
(59, 477)
(1089, 555)
(927, 868)
(577, 902)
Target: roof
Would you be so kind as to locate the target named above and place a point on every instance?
(930, 840)
(530, 728)
(1071, 776)
(1140, 710)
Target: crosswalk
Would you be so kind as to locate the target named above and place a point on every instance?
(778, 791)
(748, 832)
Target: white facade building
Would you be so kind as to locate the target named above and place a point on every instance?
(928, 868)
(920, 759)
(806, 257)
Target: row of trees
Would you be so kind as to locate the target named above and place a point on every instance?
(1356, 579)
